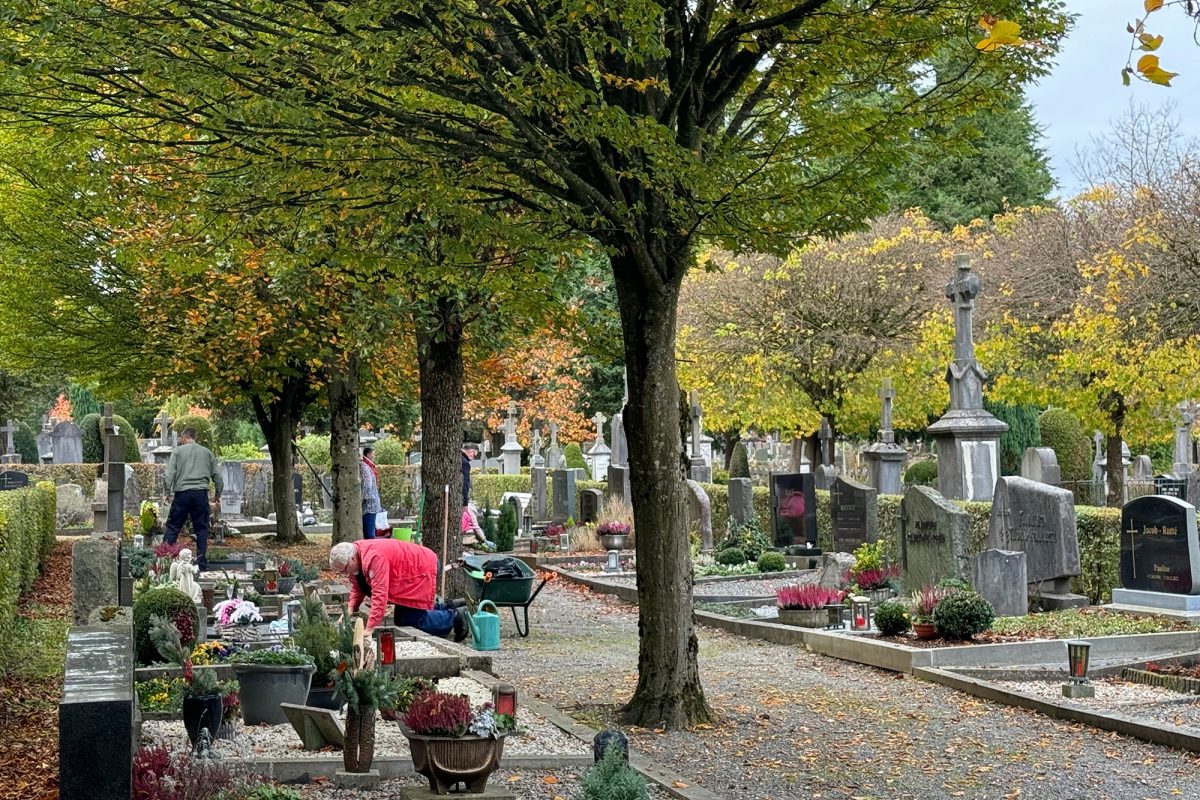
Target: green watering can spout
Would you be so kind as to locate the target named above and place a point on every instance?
(485, 627)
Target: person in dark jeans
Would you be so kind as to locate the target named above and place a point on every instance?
(469, 453)
(190, 469)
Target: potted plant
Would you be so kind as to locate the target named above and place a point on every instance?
(806, 606)
(870, 576)
(613, 535)
(365, 690)
(234, 613)
(316, 635)
(275, 579)
(924, 603)
(269, 677)
(202, 691)
(452, 743)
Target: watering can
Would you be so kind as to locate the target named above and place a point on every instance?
(485, 627)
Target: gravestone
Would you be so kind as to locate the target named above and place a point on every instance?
(563, 487)
(233, 479)
(741, 500)
(825, 471)
(316, 727)
(855, 512)
(700, 510)
(935, 538)
(591, 503)
(71, 508)
(11, 479)
(10, 456)
(1183, 439)
(1143, 468)
(114, 468)
(537, 484)
(598, 454)
(885, 459)
(1039, 520)
(67, 443)
(1041, 464)
(554, 453)
(1159, 549)
(700, 468)
(95, 570)
(133, 493)
(793, 508)
(96, 715)
(967, 436)
(620, 444)
(44, 442)
(618, 483)
(1170, 486)
(1001, 578)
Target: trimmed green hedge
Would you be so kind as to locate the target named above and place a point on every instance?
(93, 448)
(204, 429)
(26, 537)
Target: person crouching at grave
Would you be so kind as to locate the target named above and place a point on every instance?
(403, 574)
(190, 469)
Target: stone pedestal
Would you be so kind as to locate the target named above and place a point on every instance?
(510, 455)
(968, 453)
(598, 460)
(361, 781)
(885, 467)
(1074, 690)
(700, 471)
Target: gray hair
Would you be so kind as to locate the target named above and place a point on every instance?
(342, 554)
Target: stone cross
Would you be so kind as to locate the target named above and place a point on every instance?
(825, 436)
(697, 428)
(886, 395)
(10, 436)
(46, 426)
(164, 429)
(554, 434)
(599, 419)
(625, 380)
(535, 443)
(962, 291)
(107, 430)
(1183, 438)
(510, 423)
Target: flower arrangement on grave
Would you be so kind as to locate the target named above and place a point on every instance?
(213, 653)
(613, 529)
(925, 601)
(202, 693)
(167, 550)
(807, 597)
(451, 742)
(236, 612)
(869, 572)
(553, 531)
(148, 522)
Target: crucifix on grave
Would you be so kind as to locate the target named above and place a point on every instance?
(107, 430)
(885, 459)
(535, 449)
(1133, 532)
(965, 375)
(598, 455)
(886, 395)
(11, 456)
(699, 471)
(511, 450)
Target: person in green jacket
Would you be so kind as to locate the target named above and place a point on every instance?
(189, 471)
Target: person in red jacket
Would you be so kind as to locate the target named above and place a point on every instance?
(403, 574)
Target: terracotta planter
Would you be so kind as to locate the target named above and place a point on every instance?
(447, 761)
(925, 630)
(804, 617)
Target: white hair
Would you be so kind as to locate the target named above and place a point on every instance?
(342, 554)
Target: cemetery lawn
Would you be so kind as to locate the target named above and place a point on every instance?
(31, 686)
(1077, 622)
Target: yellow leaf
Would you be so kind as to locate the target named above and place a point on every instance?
(514, 778)
(1002, 33)
(679, 785)
(1153, 5)
(1160, 76)
(1147, 63)
(549, 779)
(1150, 43)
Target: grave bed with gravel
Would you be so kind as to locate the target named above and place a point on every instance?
(1114, 695)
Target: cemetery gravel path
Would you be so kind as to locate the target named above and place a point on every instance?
(795, 724)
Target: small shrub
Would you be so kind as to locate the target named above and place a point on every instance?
(506, 531)
(315, 448)
(487, 523)
(163, 602)
(807, 597)
(613, 779)
(739, 465)
(922, 473)
(245, 451)
(574, 457)
(771, 561)
(390, 451)
(93, 448)
(159, 774)
(1062, 433)
(892, 618)
(731, 556)
(961, 615)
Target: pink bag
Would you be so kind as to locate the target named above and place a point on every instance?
(792, 505)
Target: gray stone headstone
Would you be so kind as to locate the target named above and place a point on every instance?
(618, 483)
(741, 500)
(96, 715)
(563, 484)
(700, 509)
(67, 443)
(72, 508)
(825, 475)
(537, 483)
(316, 727)
(133, 492)
(1000, 576)
(1041, 464)
(1039, 520)
(95, 569)
(233, 478)
(855, 512)
(591, 503)
(114, 469)
(935, 538)
(1143, 468)
(833, 570)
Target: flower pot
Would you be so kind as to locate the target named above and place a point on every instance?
(877, 596)
(277, 586)
(804, 617)
(263, 687)
(202, 712)
(447, 761)
(324, 697)
(613, 541)
(924, 630)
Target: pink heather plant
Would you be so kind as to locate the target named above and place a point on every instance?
(807, 597)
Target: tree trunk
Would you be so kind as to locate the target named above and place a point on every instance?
(440, 366)
(278, 423)
(343, 450)
(732, 437)
(1115, 471)
(668, 691)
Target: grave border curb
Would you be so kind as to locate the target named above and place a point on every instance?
(1179, 737)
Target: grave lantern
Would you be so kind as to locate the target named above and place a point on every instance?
(504, 699)
(1077, 660)
(860, 614)
(835, 616)
(292, 612)
(250, 565)
(139, 541)
(386, 637)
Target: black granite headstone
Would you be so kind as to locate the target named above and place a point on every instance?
(793, 508)
(11, 479)
(95, 716)
(591, 501)
(606, 738)
(1159, 550)
(298, 488)
(855, 514)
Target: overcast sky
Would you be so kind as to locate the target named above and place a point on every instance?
(1084, 92)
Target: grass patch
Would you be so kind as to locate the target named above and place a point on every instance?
(42, 643)
(729, 610)
(1083, 622)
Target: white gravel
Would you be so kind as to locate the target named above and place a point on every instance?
(733, 587)
(1122, 697)
(538, 736)
(524, 784)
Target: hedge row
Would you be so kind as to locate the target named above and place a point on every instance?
(1098, 529)
(26, 537)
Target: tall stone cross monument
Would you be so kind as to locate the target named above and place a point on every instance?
(598, 455)
(967, 436)
(511, 450)
(885, 459)
(699, 468)
(11, 456)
